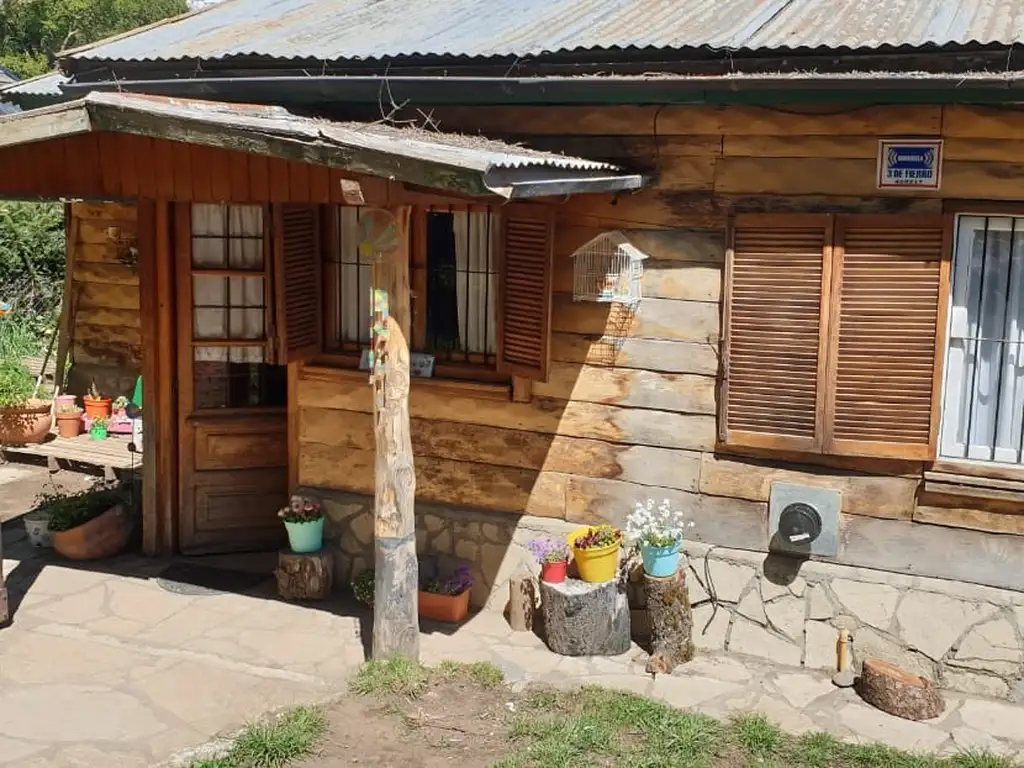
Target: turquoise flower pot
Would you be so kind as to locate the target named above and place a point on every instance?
(304, 538)
(660, 562)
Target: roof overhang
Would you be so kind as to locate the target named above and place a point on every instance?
(468, 165)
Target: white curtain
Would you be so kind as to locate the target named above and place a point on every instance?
(476, 280)
(983, 410)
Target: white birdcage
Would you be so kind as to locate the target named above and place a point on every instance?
(608, 269)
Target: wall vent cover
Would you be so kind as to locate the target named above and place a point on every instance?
(803, 520)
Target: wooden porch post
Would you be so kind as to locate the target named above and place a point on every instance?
(395, 619)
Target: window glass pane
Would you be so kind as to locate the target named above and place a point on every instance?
(209, 219)
(984, 382)
(237, 377)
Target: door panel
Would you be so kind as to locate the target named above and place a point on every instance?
(259, 442)
(233, 463)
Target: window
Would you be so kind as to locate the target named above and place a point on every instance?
(454, 258)
(229, 310)
(833, 334)
(983, 401)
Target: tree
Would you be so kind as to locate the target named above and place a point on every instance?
(33, 31)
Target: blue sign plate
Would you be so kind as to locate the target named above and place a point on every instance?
(906, 163)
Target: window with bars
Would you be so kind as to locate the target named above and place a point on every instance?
(230, 309)
(454, 276)
(983, 397)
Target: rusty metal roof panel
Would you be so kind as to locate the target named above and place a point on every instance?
(877, 23)
(340, 30)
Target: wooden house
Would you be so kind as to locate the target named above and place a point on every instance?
(830, 313)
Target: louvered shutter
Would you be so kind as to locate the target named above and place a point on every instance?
(773, 363)
(524, 312)
(886, 337)
(297, 257)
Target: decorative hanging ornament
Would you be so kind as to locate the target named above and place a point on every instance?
(378, 233)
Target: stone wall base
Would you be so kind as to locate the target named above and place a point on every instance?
(965, 637)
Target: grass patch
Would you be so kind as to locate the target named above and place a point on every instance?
(400, 677)
(276, 743)
(757, 735)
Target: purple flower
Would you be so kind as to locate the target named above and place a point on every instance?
(548, 551)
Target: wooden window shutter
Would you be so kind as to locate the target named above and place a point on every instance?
(886, 342)
(297, 261)
(777, 281)
(524, 309)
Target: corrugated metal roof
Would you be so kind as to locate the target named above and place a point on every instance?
(43, 85)
(338, 30)
(469, 164)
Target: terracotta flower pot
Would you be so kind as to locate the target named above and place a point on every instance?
(97, 407)
(69, 424)
(450, 609)
(24, 424)
(103, 536)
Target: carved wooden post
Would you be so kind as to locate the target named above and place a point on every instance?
(395, 609)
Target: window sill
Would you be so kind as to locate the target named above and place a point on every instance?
(975, 481)
(477, 390)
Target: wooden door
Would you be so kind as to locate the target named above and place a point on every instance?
(233, 465)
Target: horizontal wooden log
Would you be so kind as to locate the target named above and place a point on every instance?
(646, 354)
(105, 273)
(649, 209)
(100, 253)
(869, 495)
(107, 296)
(103, 231)
(118, 318)
(105, 211)
(641, 152)
(685, 393)
(439, 481)
(113, 355)
(969, 122)
(971, 519)
(663, 429)
(345, 431)
(826, 176)
(685, 245)
(866, 147)
(110, 335)
(727, 522)
(655, 319)
(693, 120)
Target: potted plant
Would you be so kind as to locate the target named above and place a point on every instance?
(64, 401)
(91, 524)
(69, 420)
(658, 534)
(595, 548)
(446, 600)
(37, 522)
(553, 557)
(363, 586)
(98, 428)
(24, 418)
(96, 406)
(304, 521)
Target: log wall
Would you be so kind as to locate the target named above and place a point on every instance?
(103, 288)
(613, 426)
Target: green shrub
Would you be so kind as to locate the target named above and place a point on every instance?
(16, 383)
(70, 511)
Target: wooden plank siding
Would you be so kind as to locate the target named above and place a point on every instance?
(616, 423)
(109, 166)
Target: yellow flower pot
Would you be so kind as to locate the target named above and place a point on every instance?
(596, 566)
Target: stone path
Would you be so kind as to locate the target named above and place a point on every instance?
(109, 668)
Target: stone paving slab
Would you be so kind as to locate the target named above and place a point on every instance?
(109, 669)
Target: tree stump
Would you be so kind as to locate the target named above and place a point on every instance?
(671, 623)
(304, 577)
(890, 689)
(583, 619)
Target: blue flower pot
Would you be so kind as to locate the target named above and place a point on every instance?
(660, 562)
(304, 538)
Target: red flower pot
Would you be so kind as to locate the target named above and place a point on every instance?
(553, 573)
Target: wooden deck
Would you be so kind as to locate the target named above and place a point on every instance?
(80, 454)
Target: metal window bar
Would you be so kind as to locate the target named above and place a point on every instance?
(990, 261)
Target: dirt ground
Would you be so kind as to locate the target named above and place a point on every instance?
(21, 483)
(455, 723)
